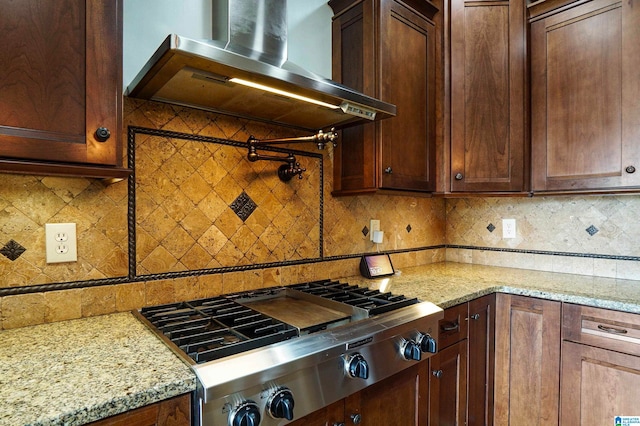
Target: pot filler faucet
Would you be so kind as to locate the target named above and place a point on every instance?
(291, 167)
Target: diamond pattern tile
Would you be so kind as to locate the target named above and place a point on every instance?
(203, 205)
(12, 250)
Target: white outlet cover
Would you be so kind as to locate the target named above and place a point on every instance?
(508, 228)
(374, 225)
(60, 242)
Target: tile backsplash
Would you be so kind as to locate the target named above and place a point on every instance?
(189, 237)
(203, 214)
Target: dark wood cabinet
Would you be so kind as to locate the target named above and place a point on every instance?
(600, 365)
(61, 87)
(585, 88)
(398, 400)
(448, 386)
(480, 372)
(386, 49)
(488, 94)
(172, 412)
(461, 373)
(527, 361)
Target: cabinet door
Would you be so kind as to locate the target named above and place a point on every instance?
(482, 312)
(328, 416)
(172, 412)
(585, 91)
(61, 80)
(407, 80)
(399, 400)
(448, 386)
(488, 136)
(527, 367)
(598, 385)
(386, 49)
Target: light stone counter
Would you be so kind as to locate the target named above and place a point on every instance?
(448, 284)
(73, 372)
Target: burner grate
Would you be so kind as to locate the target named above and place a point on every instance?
(213, 328)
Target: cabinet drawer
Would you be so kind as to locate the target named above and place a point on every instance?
(453, 327)
(618, 331)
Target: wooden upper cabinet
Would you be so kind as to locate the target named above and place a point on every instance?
(386, 49)
(585, 89)
(61, 81)
(488, 96)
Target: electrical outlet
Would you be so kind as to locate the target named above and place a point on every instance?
(508, 228)
(374, 225)
(61, 244)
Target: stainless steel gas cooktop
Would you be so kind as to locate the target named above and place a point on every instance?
(270, 356)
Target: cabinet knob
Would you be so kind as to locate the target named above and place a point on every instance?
(475, 316)
(102, 134)
(458, 176)
(388, 170)
(437, 373)
(630, 169)
(356, 419)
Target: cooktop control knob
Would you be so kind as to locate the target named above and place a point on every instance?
(427, 343)
(357, 366)
(280, 404)
(245, 414)
(410, 351)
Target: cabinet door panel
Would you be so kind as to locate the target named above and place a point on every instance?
(598, 385)
(448, 386)
(398, 400)
(487, 95)
(481, 357)
(61, 80)
(408, 147)
(527, 369)
(585, 126)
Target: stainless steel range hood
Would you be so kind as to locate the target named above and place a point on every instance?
(249, 46)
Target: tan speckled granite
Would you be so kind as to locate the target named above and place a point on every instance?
(447, 284)
(73, 372)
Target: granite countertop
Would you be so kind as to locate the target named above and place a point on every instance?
(447, 284)
(78, 371)
(74, 372)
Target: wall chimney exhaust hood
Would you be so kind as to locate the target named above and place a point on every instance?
(243, 71)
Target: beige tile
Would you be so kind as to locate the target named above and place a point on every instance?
(98, 300)
(23, 310)
(129, 296)
(63, 305)
(159, 292)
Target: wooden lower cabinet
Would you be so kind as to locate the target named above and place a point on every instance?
(398, 400)
(598, 385)
(480, 371)
(448, 386)
(527, 364)
(600, 365)
(172, 412)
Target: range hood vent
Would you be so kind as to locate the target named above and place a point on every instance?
(249, 48)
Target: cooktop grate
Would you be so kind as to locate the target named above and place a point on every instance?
(208, 329)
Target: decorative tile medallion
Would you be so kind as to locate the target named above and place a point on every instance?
(592, 230)
(491, 228)
(408, 228)
(12, 250)
(243, 206)
(365, 231)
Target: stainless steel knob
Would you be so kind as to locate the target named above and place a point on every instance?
(356, 419)
(630, 169)
(459, 176)
(388, 170)
(437, 373)
(475, 316)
